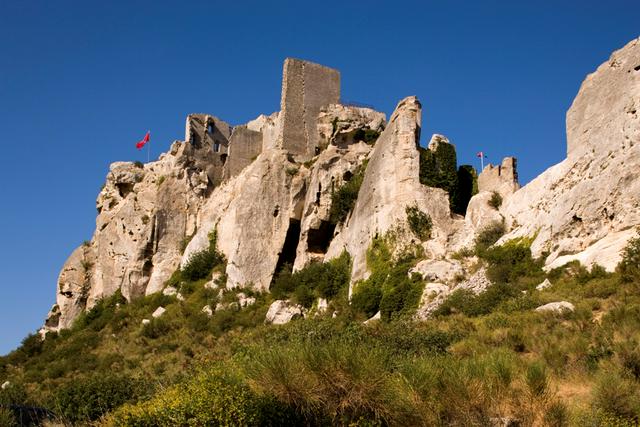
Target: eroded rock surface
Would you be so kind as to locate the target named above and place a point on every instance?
(586, 205)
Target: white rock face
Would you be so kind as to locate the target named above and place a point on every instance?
(244, 300)
(556, 307)
(169, 291)
(434, 294)
(281, 312)
(587, 204)
(391, 183)
(544, 285)
(438, 270)
(207, 310)
(322, 306)
(343, 125)
(158, 312)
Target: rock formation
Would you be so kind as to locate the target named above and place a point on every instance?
(587, 207)
(267, 188)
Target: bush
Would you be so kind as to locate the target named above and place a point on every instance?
(488, 236)
(510, 261)
(629, 266)
(156, 328)
(316, 280)
(617, 396)
(200, 264)
(344, 199)
(6, 418)
(419, 222)
(496, 200)
(366, 298)
(89, 398)
(214, 397)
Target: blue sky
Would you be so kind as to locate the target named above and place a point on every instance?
(81, 81)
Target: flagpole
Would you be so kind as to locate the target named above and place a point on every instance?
(482, 162)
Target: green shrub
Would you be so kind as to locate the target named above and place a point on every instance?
(214, 397)
(366, 298)
(616, 395)
(156, 328)
(89, 398)
(510, 261)
(200, 264)
(315, 280)
(419, 222)
(488, 236)
(6, 418)
(138, 164)
(496, 200)
(344, 199)
(629, 266)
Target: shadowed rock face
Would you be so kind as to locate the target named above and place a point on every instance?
(588, 204)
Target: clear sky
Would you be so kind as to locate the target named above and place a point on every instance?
(81, 82)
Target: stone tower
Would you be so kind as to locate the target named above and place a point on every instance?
(306, 87)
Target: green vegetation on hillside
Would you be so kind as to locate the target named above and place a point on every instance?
(344, 198)
(481, 357)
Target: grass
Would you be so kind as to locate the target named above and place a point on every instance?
(487, 356)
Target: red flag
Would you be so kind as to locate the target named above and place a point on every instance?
(142, 142)
(481, 154)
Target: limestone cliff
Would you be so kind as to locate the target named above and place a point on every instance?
(267, 189)
(587, 206)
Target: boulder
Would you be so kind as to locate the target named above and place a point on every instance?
(556, 307)
(434, 294)
(543, 285)
(5, 385)
(145, 321)
(207, 310)
(244, 300)
(170, 291)
(442, 270)
(281, 312)
(158, 312)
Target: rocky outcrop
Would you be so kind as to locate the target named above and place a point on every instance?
(434, 294)
(271, 204)
(391, 183)
(556, 307)
(585, 207)
(281, 312)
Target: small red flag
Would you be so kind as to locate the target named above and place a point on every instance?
(481, 154)
(142, 142)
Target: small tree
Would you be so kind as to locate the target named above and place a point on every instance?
(496, 200)
(629, 266)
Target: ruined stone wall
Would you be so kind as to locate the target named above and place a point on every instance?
(502, 178)
(306, 88)
(244, 146)
(208, 136)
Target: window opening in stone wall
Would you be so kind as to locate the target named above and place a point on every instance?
(216, 147)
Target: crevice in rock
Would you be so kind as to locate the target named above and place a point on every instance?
(318, 240)
(288, 253)
(124, 189)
